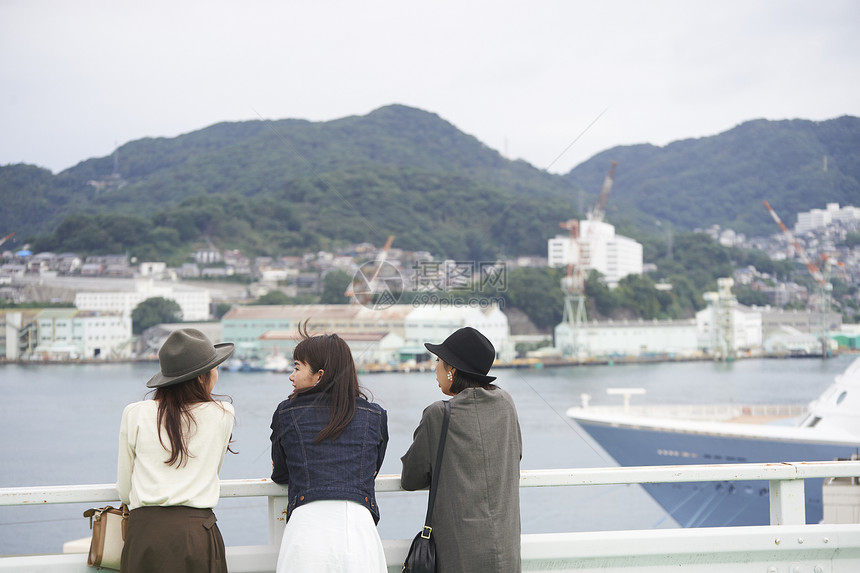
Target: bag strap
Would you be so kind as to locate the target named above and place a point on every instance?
(434, 480)
(125, 512)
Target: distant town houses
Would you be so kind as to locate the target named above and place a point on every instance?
(107, 288)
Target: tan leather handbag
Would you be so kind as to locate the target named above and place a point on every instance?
(109, 525)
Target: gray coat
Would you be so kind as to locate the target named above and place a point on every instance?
(476, 518)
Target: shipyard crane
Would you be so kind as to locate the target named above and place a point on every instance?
(573, 287)
(595, 216)
(362, 289)
(823, 287)
(599, 210)
(573, 283)
(6, 238)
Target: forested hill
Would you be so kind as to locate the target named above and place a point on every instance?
(795, 165)
(281, 186)
(286, 186)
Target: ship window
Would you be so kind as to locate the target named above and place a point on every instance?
(814, 421)
(841, 397)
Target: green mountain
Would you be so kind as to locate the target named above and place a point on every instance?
(795, 165)
(289, 185)
(279, 187)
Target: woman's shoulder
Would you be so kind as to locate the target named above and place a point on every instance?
(492, 396)
(297, 400)
(368, 405)
(436, 408)
(218, 406)
(226, 406)
(141, 406)
(138, 413)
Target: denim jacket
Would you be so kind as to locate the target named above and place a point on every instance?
(344, 468)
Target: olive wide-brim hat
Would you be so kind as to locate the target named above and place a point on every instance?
(186, 354)
(469, 351)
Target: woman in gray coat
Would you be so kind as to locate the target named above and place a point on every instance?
(476, 517)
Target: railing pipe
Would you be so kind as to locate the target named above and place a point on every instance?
(528, 478)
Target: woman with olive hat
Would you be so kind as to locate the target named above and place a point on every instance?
(170, 452)
(476, 515)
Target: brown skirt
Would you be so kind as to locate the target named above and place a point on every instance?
(173, 539)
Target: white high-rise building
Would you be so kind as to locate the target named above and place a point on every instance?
(614, 256)
(816, 218)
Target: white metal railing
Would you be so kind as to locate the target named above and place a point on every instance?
(781, 546)
(787, 498)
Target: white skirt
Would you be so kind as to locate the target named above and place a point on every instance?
(334, 536)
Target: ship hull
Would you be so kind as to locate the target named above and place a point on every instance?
(713, 504)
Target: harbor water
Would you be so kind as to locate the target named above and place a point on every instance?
(59, 426)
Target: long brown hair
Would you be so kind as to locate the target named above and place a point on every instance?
(331, 354)
(174, 413)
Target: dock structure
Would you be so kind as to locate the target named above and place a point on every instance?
(787, 545)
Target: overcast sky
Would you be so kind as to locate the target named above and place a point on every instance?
(527, 78)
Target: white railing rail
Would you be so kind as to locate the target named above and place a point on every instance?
(787, 497)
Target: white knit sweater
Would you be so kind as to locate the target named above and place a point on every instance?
(142, 476)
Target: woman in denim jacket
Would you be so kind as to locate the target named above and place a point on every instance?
(328, 443)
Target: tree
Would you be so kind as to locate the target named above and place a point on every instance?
(221, 309)
(335, 284)
(273, 297)
(537, 292)
(637, 293)
(152, 311)
(601, 298)
(750, 297)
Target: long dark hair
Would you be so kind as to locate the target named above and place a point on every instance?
(175, 416)
(331, 354)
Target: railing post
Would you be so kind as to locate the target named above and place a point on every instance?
(277, 518)
(787, 502)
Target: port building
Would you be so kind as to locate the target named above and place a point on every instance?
(71, 334)
(382, 336)
(634, 337)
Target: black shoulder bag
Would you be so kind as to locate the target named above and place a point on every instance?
(422, 553)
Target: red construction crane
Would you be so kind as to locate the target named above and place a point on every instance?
(600, 208)
(6, 238)
(813, 268)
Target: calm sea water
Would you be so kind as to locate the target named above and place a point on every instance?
(59, 426)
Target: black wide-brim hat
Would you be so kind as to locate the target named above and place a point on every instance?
(469, 351)
(186, 354)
